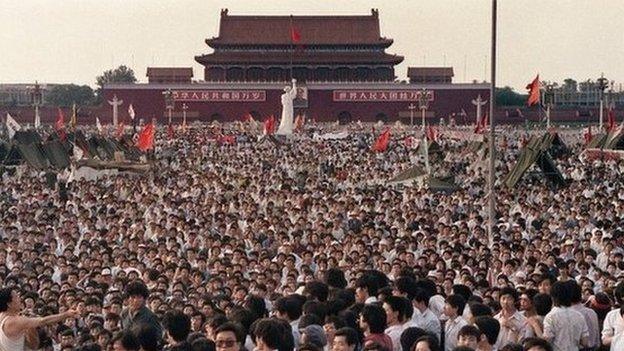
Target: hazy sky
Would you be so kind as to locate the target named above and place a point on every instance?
(73, 41)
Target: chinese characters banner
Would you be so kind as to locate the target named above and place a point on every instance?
(379, 95)
(219, 95)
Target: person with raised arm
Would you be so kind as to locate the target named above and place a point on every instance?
(18, 332)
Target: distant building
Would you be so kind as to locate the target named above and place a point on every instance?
(169, 74)
(20, 94)
(588, 95)
(430, 75)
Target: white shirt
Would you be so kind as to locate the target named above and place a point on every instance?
(451, 332)
(564, 328)
(614, 327)
(394, 332)
(521, 329)
(427, 321)
(591, 318)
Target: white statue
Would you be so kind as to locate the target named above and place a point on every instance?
(286, 123)
(115, 103)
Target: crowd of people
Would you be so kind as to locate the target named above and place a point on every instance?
(302, 244)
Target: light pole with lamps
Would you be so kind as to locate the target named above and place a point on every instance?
(423, 105)
(36, 97)
(602, 85)
(168, 102)
(549, 99)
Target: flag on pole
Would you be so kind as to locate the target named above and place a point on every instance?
(381, 144)
(269, 125)
(534, 92)
(146, 138)
(295, 35)
(60, 125)
(12, 125)
(131, 112)
(73, 120)
(432, 133)
(98, 125)
(587, 135)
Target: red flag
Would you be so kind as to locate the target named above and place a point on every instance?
(170, 132)
(146, 138)
(269, 125)
(295, 35)
(431, 133)
(408, 142)
(382, 142)
(227, 139)
(480, 127)
(120, 130)
(534, 92)
(587, 135)
(60, 125)
(611, 120)
(299, 121)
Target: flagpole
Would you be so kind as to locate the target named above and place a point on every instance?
(491, 197)
(291, 47)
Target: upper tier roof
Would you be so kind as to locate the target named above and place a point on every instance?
(314, 30)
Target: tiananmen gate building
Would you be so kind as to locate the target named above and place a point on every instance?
(342, 69)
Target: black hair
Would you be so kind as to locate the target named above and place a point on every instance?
(533, 342)
(350, 335)
(560, 294)
(375, 317)
(432, 341)
(290, 306)
(137, 288)
(243, 317)
(397, 304)
(271, 332)
(315, 307)
(469, 330)
(178, 325)
(542, 304)
(203, 344)
(309, 319)
(127, 340)
(479, 309)
(6, 296)
(463, 290)
(421, 295)
(489, 326)
(457, 301)
(335, 278)
(148, 336)
(410, 335)
(318, 290)
(234, 328)
(509, 291)
(576, 294)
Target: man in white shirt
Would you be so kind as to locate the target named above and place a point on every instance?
(395, 318)
(514, 327)
(453, 309)
(423, 317)
(591, 318)
(564, 327)
(613, 328)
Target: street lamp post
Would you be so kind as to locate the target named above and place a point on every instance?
(549, 99)
(36, 98)
(184, 108)
(411, 107)
(602, 85)
(168, 102)
(423, 105)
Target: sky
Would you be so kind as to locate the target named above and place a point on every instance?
(73, 41)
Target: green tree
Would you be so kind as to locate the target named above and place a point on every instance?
(66, 94)
(570, 84)
(508, 97)
(121, 74)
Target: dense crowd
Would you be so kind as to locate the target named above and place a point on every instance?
(302, 244)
